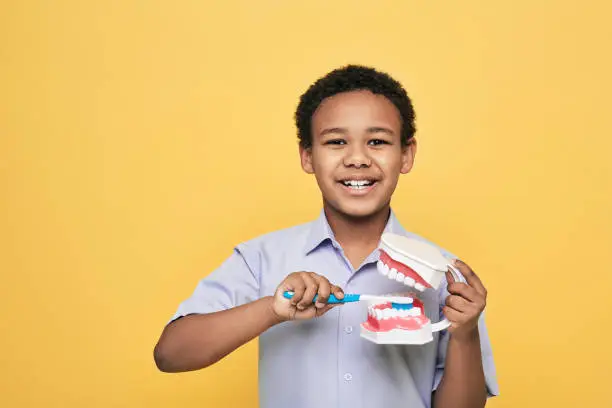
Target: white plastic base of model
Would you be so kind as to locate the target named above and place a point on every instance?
(399, 336)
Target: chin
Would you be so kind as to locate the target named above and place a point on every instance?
(359, 209)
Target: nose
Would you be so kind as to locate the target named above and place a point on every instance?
(357, 156)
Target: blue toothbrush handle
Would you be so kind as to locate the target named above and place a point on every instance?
(331, 300)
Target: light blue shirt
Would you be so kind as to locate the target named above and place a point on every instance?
(324, 361)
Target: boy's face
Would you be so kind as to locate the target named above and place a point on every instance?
(356, 153)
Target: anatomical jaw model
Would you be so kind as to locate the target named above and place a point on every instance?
(418, 265)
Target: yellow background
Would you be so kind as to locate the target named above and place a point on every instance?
(141, 140)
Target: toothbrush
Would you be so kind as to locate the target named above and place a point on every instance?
(353, 297)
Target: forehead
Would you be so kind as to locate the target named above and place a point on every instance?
(356, 109)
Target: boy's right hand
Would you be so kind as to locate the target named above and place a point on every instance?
(305, 286)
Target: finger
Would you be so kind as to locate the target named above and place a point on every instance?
(458, 303)
(450, 278)
(297, 286)
(337, 291)
(453, 316)
(323, 292)
(471, 277)
(465, 291)
(310, 292)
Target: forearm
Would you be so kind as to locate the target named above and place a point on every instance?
(463, 382)
(197, 341)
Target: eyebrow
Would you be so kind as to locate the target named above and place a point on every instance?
(372, 129)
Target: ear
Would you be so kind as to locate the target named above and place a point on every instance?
(408, 153)
(306, 159)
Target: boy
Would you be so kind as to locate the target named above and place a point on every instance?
(356, 132)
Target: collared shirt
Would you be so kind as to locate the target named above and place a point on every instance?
(324, 361)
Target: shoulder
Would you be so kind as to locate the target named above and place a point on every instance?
(280, 239)
(268, 248)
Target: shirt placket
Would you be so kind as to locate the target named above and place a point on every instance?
(350, 379)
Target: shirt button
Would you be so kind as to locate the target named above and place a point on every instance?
(348, 329)
(348, 377)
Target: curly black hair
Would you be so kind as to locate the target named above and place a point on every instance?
(353, 78)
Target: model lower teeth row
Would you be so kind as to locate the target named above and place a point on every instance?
(389, 313)
(393, 274)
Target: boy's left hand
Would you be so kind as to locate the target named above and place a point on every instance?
(465, 303)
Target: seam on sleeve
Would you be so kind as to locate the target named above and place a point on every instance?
(254, 265)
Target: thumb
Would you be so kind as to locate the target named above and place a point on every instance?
(337, 291)
(327, 308)
(449, 277)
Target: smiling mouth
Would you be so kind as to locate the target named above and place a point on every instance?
(358, 185)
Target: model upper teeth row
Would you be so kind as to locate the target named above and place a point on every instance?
(393, 274)
(389, 313)
(356, 183)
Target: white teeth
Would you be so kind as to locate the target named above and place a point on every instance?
(383, 314)
(393, 274)
(357, 184)
(382, 268)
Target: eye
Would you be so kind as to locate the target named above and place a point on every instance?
(336, 142)
(377, 142)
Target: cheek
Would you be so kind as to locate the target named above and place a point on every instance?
(388, 163)
(326, 163)
(383, 162)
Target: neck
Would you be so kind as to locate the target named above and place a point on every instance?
(357, 231)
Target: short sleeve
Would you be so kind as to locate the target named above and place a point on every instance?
(485, 348)
(234, 283)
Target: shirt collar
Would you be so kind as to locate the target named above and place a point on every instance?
(321, 232)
